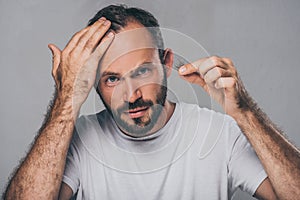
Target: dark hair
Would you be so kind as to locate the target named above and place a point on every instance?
(120, 15)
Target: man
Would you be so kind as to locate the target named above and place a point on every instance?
(142, 145)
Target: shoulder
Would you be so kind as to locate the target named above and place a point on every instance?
(92, 118)
(93, 123)
(218, 131)
(88, 128)
(208, 116)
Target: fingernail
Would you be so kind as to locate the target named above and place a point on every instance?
(182, 69)
(102, 18)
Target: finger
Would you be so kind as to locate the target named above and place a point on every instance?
(228, 61)
(190, 73)
(194, 78)
(187, 69)
(94, 40)
(211, 62)
(73, 43)
(83, 40)
(215, 73)
(74, 40)
(56, 55)
(103, 46)
(231, 67)
(228, 83)
(190, 67)
(99, 52)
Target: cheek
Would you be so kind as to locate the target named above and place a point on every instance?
(106, 94)
(150, 91)
(112, 96)
(152, 86)
(154, 80)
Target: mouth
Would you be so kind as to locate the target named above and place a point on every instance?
(137, 112)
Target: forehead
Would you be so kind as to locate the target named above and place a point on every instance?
(130, 46)
(132, 60)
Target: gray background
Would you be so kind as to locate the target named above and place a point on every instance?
(262, 38)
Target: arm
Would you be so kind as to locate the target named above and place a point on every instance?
(74, 71)
(65, 192)
(280, 158)
(40, 173)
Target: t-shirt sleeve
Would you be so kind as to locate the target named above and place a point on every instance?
(72, 171)
(245, 170)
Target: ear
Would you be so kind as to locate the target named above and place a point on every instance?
(168, 61)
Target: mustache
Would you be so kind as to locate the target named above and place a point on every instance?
(138, 103)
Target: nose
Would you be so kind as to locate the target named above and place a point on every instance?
(131, 92)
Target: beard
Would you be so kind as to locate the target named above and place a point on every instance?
(141, 126)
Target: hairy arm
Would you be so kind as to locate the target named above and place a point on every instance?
(279, 157)
(281, 160)
(74, 70)
(40, 174)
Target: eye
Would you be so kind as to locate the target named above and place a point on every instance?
(112, 81)
(142, 71)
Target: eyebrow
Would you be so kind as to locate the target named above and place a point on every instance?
(109, 73)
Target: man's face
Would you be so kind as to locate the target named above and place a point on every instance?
(133, 84)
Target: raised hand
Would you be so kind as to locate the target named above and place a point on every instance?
(74, 71)
(75, 67)
(218, 77)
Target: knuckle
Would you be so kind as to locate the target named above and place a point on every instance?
(215, 60)
(219, 72)
(228, 61)
(233, 71)
(233, 82)
(214, 57)
(81, 42)
(89, 45)
(70, 55)
(206, 79)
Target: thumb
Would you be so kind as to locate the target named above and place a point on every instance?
(56, 55)
(190, 72)
(191, 67)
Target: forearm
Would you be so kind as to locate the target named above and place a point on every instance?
(74, 71)
(40, 174)
(280, 158)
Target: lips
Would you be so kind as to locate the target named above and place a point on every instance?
(137, 112)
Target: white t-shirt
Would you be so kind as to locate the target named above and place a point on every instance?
(198, 154)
